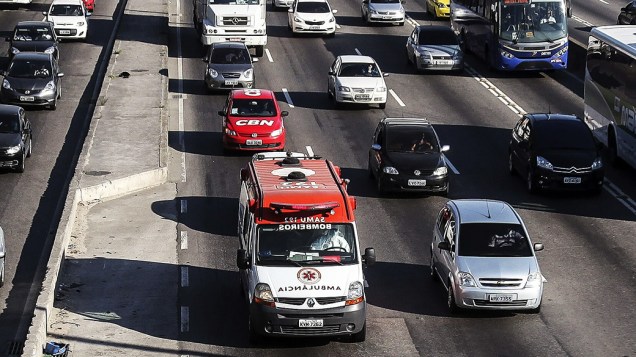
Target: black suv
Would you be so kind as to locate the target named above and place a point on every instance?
(406, 156)
(33, 36)
(627, 16)
(555, 151)
(15, 137)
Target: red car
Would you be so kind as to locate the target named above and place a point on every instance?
(89, 5)
(253, 121)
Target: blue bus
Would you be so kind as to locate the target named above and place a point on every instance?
(514, 35)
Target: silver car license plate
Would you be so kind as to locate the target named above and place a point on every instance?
(253, 142)
(310, 323)
(231, 83)
(65, 32)
(501, 297)
(362, 96)
(444, 62)
(417, 182)
(24, 98)
(572, 180)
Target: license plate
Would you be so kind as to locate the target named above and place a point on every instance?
(386, 17)
(253, 142)
(314, 27)
(417, 182)
(310, 323)
(501, 297)
(231, 83)
(65, 32)
(235, 39)
(571, 180)
(444, 62)
(26, 99)
(363, 96)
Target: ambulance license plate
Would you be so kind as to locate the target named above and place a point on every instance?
(501, 297)
(253, 142)
(417, 182)
(27, 98)
(571, 180)
(310, 323)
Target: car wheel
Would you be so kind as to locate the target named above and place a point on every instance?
(511, 167)
(382, 105)
(360, 336)
(370, 170)
(445, 192)
(30, 148)
(259, 51)
(530, 184)
(450, 301)
(432, 267)
(380, 186)
(2, 273)
(332, 35)
(59, 93)
(612, 149)
(53, 105)
(336, 104)
(21, 164)
(536, 310)
(255, 337)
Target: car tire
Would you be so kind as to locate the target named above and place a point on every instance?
(370, 170)
(536, 310)
(255, 337)
(380, 186)
(511, 167)
(433, 273)
(382, 105)
(30, 147)
(360, 336)
(450, 301)
(332, 35)
(59, 94)
(612, 149)
(21, 164)
(259, 51)
(530, 184)
(447, 190)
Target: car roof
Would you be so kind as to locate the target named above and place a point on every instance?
(484, 211)
(252, 93)
(6, 109)
(67, 2)
(434, 28)
(229, 45)
(406, 121)
(356, 59)
(312, 0)
(32, 56)
(544, 117)
(33, 23)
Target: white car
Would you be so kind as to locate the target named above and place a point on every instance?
(386, 11)
(356, 79)
(69, 18)
(2, 255)
(312, 16)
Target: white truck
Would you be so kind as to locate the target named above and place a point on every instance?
(232, 20)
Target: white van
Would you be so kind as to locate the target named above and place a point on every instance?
(69, 18)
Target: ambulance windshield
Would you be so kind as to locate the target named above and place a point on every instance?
(306, 244)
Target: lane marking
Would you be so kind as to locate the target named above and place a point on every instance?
(397, 99)
(621, 196)
(184, 240)
(185, 277)
(604, 2)
(411, 21)
(310, 151)
(450, 164)
(180, 100)
(338, 26)
(584, 22)
(288, 98)
(269, 55)
(358, 52)
(184, 206)
(185, 319)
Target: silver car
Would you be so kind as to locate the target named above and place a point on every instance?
(482, 254)
(2, 254)
(387, 11)
(229, 66)
(434, 48)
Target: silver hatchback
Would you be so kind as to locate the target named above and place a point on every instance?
(229, 66)
(482, 254)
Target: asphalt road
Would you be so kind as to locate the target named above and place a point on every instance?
(589, 258)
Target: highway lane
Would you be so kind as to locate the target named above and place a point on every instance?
(30, 207)
(584, 236)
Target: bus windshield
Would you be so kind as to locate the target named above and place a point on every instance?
(540, 21)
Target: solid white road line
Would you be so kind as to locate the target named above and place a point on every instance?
(180, 89)
(184, 206)
(450, 164)
(185, 319)
(184, 240)
(269, 55)
(288, 98)
(185, 277)
(310, 151)
(358, 51)
(397, 99)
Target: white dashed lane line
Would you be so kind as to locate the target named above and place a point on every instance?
(358, 52)
(288, 98)
(310, 151)
(269, 55)
(185, 319)
(184, 240)
(185, 277)
(184, 206)
(397, 99)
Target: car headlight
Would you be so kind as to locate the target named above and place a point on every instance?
(263, 294)
(543, 163)
(297, 19)
(344, 89)
(81, 23)
(458, 56)
(402, 10)
(50, 86)
(423, 53)
(355, 295)
(440, 5)
(465, 279)
(276, 132)
(13, 150)
(506, 54)
(248, 73)
(213, 73)
(390, 170)
(440, 171)
(332, 19)
(15, 50)
(373, 12)
(230, 132)
(381, 89)
(6, 84)
(597, 164)
(50, 50)
(534, 279)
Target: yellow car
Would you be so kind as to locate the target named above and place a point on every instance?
(438, 8)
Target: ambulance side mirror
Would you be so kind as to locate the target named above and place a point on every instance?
(369, 256)
(242, 259)
(243, 174)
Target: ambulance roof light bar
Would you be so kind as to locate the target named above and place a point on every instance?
(326, 206)
(282, 155)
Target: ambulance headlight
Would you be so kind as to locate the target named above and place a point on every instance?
(390, 170)
(263, 294)
(355, 294)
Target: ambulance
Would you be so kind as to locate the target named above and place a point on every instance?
(253, 121)
(299, 255)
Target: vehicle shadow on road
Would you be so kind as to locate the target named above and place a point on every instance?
(220, 212)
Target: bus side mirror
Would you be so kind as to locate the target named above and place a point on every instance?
(369, 256)
(242, 259)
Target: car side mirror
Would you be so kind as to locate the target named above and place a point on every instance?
(89, 14)
(2, 255)
(444, 246)
(291, 10)
(369, 256)
(376, 147)
(242, 259)
(365, 1)
(60, 75)
(334, 11)
(44, 13)
(538, 247)
(221, 113)
(403, 1)
(385, 74)
(284, 113)
(204, 59)
(331, 73)
(445, 148)
(254, 59)
(623, 9)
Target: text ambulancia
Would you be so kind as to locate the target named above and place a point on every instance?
(299, 256)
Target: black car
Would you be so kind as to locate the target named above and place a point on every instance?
(555, 151)
(33, 36)
(627, 15)
(15, 137)
(406, 156)
(32, 79)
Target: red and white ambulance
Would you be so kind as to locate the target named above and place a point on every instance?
(252, 120)
(299, 256)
